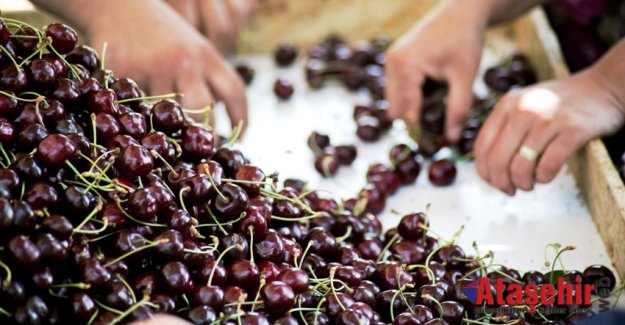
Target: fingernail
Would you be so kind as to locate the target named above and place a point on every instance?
(453, 134)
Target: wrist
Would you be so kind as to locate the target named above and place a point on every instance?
(609, 73)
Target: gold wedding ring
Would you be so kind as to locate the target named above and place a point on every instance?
(528, 153)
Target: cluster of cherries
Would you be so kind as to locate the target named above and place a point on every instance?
(115, 206)
(328, 158)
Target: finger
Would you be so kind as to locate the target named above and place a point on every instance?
(218, 25)
(160, 86)
(489, 132)
(228, 87)
(458, 103)
(556, 154)
(240, 11)
(186, 9)
(197, 96)
(522, 170)
(403, 92)
(505, 147)
(162, 319)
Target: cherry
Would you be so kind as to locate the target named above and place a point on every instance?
(601, 277)
(327, 164)
(24, 251)
(177, 277)
(41, 74)
(278, 298)
(375, 200)
(23, 216)
(142, 204)
(173, 243)
(453, 312)
(167, 116)
(120, 142)
(83, 305)
(6, 214)
(408, 252)
(7, 132)
(51, 248)
(317, 142)
(67, 91)
(285, 54)
(270, 247)
(28, 167)
(393, 276)
(297, 279)
(410, 226)
(234, 201)
(106, 127)
(315, 73)
(229, 159)
(442, 172)
(534, 277)
(135, 161)
(199, 190)
(334, 303)
(53, 111)
(133, 124)
(197, 142)
(13, 79)
(202, 314)
(119, 296)
(159, 142)
(255, 219)
(251, 174)
(283, 89)
(245, 71)
(390, 299)
(126, 88)
(243, 273)
(85, 56)
(31, 136)
(8, 103)
(55, 150)
(42, 195)
(429, 292)
(94, 273)
(237, 245)
(103, 101)
(368, 128)
(5, 33)
(63, 37)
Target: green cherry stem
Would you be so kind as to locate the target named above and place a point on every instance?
(149, 245)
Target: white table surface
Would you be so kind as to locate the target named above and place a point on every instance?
(517, 229)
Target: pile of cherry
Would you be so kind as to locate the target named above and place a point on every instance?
(115, 207)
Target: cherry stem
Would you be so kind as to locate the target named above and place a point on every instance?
(279, 196)
(7, 279)
(180, 195)
(79, 285)
(427, 263)
(312, 216)
(332, 272)
(125, 283)
(94, 131)
(301, 261)
(388, 245)
(17, 66)
(210, 211)
(321, 301)
(210, 179)
(103, 55)
(4, 312)
(436, 302)
(236, 133)
(428, 270)
(21, 24)
(260, 287)
(345, 236)
(164, 96)
(559, 252)
(118, 203)
(40, 47)
(107, 308)
(165, 162)
(149, 244)
(105, 224)
(219, 258)
(93, 212)
(132, 308)
(92, 318)
(242, 216)
(71, 68)
(4, 153)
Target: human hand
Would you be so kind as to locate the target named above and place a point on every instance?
(162, 52)
(220, 20)
(446, 46)
(551, 120)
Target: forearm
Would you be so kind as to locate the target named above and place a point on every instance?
(610, 72)
(490, 12)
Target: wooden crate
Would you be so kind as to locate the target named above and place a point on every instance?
(306, 21)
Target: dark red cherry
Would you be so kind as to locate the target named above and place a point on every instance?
(442, 172)
(297, 279)
(67, 91)
(346, 154)
(270, 247)
(278, 298)
(173, 243)
(283, 89)
(327, 164)
(285, 54)
(126, 88)
(368, 128)
(31, 136)
(167, 116)
(83, 306)
(229, 159)
(13, 79)
(253, 176)
(55, 150)
(197, 142)
(334, 303)
(103, 101)
(24, 251)
(142, 204)
(243, 273)
(5, 33)
(8, 103)
(197, 190)
(119, 296)
(51, 248)
(42, 195)
(41, 74)
(7, 132)
(135, 161)
(160, 143)
(177, 277)
(601, 277)
(234, 201)
(317, 142)
(85, 56)
(63, 37)
(245, 71)
(106, 127)
(411, 226)
(133, 124)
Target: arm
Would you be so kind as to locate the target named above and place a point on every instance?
(446, 45)
(149, 42)
(554, 119)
